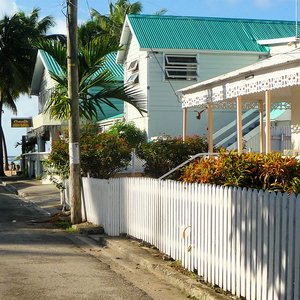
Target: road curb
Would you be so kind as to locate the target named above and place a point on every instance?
(161, 269)
(23, 195)
(145, 259)
(9, 187)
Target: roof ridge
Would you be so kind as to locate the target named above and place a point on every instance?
(209, 18)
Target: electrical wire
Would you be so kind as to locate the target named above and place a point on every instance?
(157, 60)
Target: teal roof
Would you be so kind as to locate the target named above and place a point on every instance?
(173, 32)
(116, 69)
(50, 63)
(110, 64)
(110, 112)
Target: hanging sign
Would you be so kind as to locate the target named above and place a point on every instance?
(21, 122)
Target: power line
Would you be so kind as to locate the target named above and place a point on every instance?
(157, 60)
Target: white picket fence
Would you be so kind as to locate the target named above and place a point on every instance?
(245, 241)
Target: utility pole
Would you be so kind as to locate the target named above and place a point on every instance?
(74, 158)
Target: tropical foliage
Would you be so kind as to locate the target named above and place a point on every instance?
(129, 132)
(17, 58)
(101, 154)
(92, 73)
(165, 153)
(108, 25)
(272, 172)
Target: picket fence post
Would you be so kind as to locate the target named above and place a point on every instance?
(246, 241)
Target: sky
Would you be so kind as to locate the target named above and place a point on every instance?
(253, 9)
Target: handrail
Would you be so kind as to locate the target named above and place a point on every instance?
(232, 124)
(222, 142)
(187, 161)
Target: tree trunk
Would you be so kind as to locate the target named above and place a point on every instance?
(1, 140)
(6, 166)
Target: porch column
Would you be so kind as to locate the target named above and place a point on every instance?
(41, 144)
(261, 124)
(268, 121)
(210, 128)
(295, 119)
(184, 125)
(239, 124)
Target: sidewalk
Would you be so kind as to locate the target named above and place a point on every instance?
(123, 252)
(44, 196)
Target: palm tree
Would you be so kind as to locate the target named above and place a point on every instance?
(92, 73)
(17, 58)
(110, 25)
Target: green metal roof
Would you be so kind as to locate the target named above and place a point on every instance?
(110, 63)
(110, 112)
(117, 71)
(173, 32)
(50, 63)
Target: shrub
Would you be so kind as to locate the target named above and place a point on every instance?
(101, 155)
(129, 132)
(165, 153)
(57, 164)
(272, 171)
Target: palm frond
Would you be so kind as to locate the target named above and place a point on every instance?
(55, 48)
(127, 94)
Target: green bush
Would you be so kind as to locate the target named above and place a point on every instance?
(165, 153)
(271, 172)
(101, 155)
(129, 132)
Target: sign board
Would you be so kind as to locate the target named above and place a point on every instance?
(21, 122)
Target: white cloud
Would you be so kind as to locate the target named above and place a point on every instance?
(7, 7)
(60, 27)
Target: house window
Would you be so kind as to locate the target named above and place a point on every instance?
(133, 78)
(133, 66)
(181, 67)
(133, 69)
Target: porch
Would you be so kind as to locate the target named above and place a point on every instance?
(267, 85)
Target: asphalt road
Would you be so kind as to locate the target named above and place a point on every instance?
(38, 261)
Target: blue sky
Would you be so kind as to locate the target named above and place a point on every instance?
(257, 9)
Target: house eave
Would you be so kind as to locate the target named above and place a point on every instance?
(205, 51)
(126, 31)
(37, 76)
(279, 41)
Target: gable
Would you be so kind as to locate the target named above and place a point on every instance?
(202, 33)
(46, 62)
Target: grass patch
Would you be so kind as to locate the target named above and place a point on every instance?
(66, 225)
(71, 229)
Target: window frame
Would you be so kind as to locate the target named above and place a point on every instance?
(181, 66)
(133, 66)
(133, 78)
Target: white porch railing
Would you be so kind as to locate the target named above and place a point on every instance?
(244, 241)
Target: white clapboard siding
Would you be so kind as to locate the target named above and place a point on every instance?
(245, 241)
